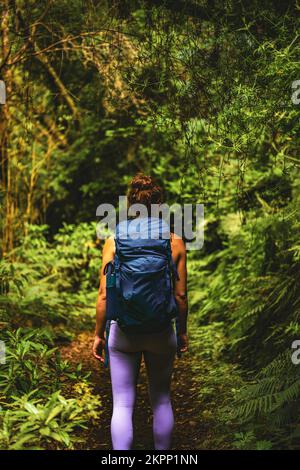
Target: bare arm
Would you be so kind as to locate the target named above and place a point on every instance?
(99, 343)
(180, 289)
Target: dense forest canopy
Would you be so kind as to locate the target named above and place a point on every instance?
(199, 94)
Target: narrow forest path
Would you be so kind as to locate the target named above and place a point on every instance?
(191, 431)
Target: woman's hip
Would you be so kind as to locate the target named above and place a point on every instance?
(162, 342)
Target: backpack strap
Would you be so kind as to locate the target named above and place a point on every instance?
(106, 353)
(177, 336)
(108, 268)
(109, 271)
(117, 266)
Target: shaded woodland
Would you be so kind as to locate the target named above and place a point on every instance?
(198, 94)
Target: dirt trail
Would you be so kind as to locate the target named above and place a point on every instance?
(190, 430)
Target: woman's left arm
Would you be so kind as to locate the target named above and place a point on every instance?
(99, 342)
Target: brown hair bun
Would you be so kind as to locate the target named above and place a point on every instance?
(144, 190)
(141, 182)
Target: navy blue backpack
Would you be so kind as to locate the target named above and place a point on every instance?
(139, 281)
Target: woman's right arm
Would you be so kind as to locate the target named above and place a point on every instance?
(180, 290)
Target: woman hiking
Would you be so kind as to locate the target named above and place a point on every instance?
(142, 289)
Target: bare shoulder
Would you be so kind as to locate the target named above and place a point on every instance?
(177, 243)
(109, 245)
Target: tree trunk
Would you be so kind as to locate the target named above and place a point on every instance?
(5, 123)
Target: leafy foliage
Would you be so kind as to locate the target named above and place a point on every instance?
(34, 412)
(200, 95)
(30, 423)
